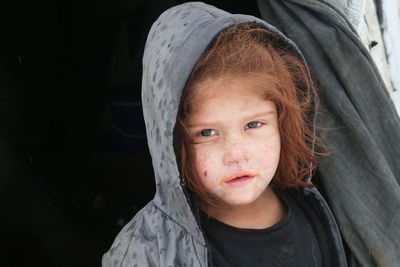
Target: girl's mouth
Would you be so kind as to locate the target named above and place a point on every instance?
(238, 180)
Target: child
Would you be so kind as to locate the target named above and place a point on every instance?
(227, 101)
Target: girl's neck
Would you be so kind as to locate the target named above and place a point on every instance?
(265, 212)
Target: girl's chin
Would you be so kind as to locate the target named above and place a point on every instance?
(239, 201)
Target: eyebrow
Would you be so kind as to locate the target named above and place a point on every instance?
(253, 116)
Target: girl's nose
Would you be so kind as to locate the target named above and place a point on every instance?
(234, 151)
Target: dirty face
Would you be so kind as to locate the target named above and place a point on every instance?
(235, 136)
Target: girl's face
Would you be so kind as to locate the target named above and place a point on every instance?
(236, 139)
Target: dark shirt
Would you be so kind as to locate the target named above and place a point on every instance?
(290, 242)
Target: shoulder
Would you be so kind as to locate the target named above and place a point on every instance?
(323, 222)
(136, 243)
(152, 238)
(313, 205)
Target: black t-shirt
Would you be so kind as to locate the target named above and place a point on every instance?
(290, 242)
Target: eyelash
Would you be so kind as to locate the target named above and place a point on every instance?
(202, 133)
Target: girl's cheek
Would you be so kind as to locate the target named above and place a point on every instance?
(271, 152)
(201, 165)
(203, 171)
(204, 162)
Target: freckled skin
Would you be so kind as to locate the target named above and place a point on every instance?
(228, 106)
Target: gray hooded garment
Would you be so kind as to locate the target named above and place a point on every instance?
(165, 231)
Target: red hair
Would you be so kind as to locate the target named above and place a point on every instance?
(250, 49)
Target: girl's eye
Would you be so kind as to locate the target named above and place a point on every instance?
(208, 132)
(253, 124)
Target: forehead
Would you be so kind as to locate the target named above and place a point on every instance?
(229, 99)
(251, 84)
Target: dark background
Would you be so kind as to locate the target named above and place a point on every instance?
(74, 164)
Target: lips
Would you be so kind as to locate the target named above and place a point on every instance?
(238, 179)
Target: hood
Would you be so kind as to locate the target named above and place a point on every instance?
(174, 44)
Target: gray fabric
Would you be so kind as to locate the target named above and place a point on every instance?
(359, 124)
(165, 232)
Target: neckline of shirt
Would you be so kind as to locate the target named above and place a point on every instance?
(251, 232)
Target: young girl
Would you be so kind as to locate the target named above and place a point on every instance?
(229, 105)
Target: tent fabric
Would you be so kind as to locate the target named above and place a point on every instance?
(357, 121)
